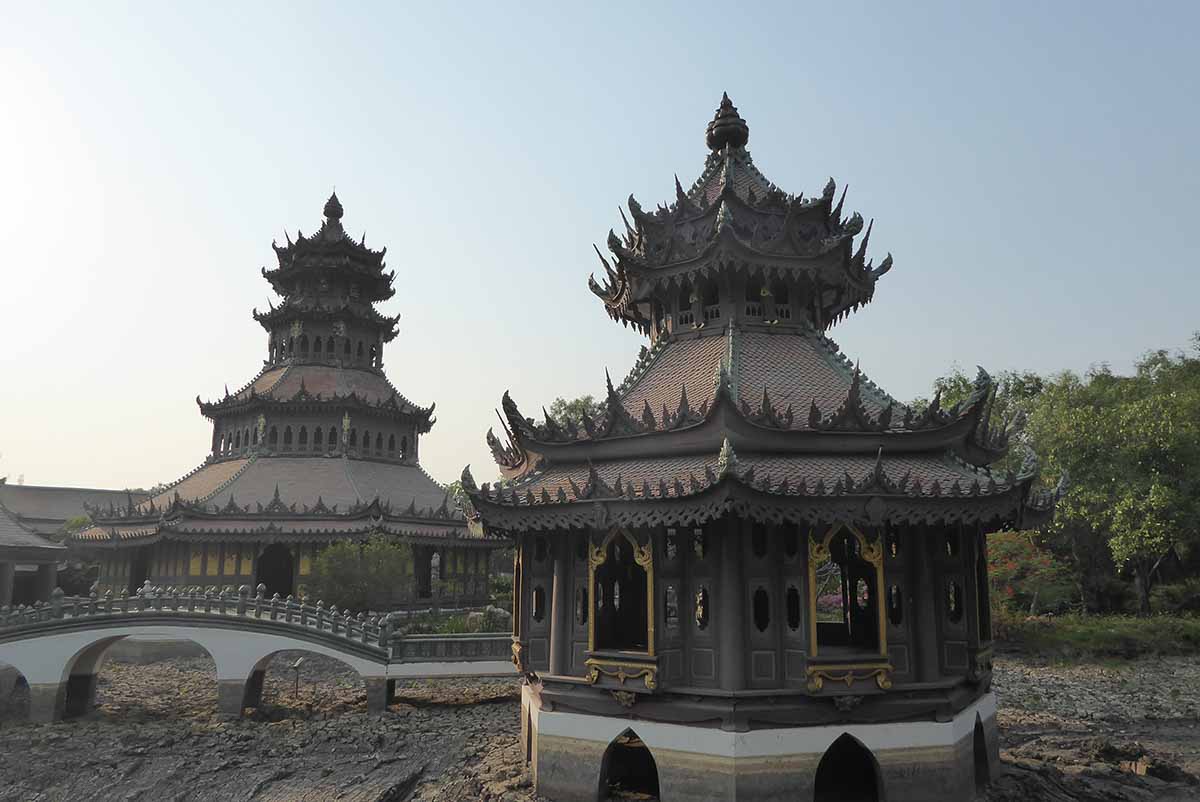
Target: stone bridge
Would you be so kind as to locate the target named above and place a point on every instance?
(59, 646)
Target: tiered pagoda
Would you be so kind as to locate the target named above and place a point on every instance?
(318, 447)
(756, 575)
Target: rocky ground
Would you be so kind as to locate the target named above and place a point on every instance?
(1127, 731)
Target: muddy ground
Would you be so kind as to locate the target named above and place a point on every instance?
(1128, 731)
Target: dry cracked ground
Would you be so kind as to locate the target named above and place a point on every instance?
(1127, 731)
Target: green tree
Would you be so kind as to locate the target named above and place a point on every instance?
(361, 576)
(562, 409)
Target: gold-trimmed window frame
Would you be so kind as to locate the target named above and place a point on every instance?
(872, 553)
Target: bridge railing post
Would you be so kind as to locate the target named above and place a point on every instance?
(56, 603)
(243, 596)
(334, 619)
(259, 597)
(304, 608)
(289, 609)
(320, 615)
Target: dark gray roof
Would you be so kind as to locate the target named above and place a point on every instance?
(45, 509)
(20, 543)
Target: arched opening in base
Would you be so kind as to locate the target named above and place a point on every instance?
(983, 775)
(276, 570)
(628, 770)
(296, 683)
(14, 696)
(847, 773)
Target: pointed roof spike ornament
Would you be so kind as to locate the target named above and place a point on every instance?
(726, 459)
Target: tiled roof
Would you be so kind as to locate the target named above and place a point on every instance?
(45, 509)
(741, 171)
(304, 480)
(810, 469)
(16, 537)
(284, 382)
(795, 369)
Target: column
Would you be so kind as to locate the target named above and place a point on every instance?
(923, 542)
(47, 581)
(560, 622)
(730, 606)
(6, 584)
(377, 694)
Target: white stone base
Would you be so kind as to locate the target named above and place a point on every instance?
(920, 760)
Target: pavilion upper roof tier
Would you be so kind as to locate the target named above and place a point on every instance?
(296, 385)
(764, 390)
(330, 256)
(733, 220)
(329, 309)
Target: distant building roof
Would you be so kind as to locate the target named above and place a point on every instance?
(19, 543)
(45, 510)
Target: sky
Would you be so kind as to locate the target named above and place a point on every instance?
(1032, 167)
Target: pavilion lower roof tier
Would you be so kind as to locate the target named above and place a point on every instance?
(299, 496)
(18, 542)
(297, 383)
(809, 488)
(785, 391)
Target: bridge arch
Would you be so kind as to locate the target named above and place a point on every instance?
(62, 665)
(280, 665)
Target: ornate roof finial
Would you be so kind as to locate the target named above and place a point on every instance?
(727, 127)
(333, 208)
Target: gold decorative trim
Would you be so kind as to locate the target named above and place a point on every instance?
(518, 656)
(616, 669)
(849, 674)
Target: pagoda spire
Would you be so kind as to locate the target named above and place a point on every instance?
(727, 127)
(333, 208)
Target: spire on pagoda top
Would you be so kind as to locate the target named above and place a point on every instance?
(333, 207)
(727, 127)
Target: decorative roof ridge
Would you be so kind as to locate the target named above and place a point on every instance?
(25, 529)
(646, 359)
(837, 359)
(250, 459)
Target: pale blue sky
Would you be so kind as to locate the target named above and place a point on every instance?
(1031, 166)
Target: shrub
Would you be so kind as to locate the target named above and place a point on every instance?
(1176, 597)
(361, 576)
(1024, 575)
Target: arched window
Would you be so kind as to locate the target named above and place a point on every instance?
(303, 440)
(762, 609)
(983, 774)
(712, 301)
(291, 345)
(846, 590)
(237, 440)
(316, 346)
(793, 608)
(391, 445)
(671, 607)
(701, 614)
(754, 297)
(303, 345)
(353, 438)
(895, 605)
(219, 444)
(273, 436)
(539, 603)
(333, 438)
(287, 436)
(779, 296)
(366, 441)
(317, 437)
(346, 347)
(359, 354)
(847, 770)
(329, 346)
(374, 353)
(403, 447)
(254, 436)
(621, 588)
(378, 443)
(685, 316)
